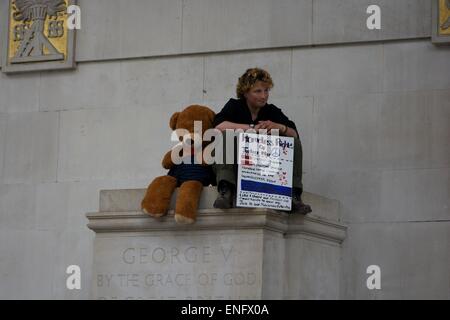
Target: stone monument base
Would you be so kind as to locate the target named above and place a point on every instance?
(227, 254)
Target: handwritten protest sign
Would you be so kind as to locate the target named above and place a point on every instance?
(265, 171)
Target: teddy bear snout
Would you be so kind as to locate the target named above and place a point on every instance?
(192, 139)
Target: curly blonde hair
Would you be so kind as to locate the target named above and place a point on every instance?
(249, 79)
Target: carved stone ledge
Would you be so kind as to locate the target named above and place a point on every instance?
(238, 253)
(216, 219)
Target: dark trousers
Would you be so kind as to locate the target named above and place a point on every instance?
(228, 171)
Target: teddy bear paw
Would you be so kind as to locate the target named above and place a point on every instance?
(180, 219)
(154, 215)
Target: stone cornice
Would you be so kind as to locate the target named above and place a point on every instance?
(215, 219)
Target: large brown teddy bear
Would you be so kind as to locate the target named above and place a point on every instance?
(190, 177)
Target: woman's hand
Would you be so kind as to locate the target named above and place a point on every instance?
(269, 125)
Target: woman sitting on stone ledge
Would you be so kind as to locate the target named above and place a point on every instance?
(251, 111)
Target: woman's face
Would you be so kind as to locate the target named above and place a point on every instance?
(258, 96)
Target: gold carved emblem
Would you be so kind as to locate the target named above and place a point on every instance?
(444, 17)
(40, 35)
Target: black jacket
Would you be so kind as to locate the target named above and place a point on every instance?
(236, 110)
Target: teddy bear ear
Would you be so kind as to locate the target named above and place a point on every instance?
(174, 120)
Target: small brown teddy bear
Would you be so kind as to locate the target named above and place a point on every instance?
(189, 176)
